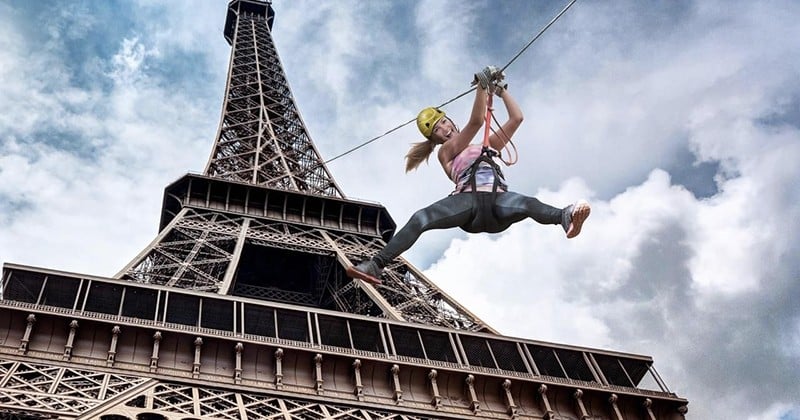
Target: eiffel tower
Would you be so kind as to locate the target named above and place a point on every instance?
(240, 309)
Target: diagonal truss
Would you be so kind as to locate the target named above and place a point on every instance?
(83, 394)
(172, 398)
(48, 389)
(262, 140)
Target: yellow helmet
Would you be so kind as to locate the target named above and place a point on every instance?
(428, 118)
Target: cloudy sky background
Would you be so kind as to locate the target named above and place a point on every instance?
(678, 120)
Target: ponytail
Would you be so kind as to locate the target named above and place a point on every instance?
(419, 152)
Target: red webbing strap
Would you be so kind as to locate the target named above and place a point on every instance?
(507, 141)
(488, 127)
(486, 155)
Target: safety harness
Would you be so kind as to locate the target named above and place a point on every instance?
(487, 156)
(479, 220)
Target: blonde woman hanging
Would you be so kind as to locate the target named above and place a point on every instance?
(480, 201)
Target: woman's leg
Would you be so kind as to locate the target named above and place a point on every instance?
(452, 211)
(449, 212)
(511, 207)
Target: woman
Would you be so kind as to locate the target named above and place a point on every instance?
(481, 201)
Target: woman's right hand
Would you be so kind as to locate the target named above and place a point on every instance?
(487, 76)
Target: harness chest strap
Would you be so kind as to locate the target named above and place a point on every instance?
(487, 155)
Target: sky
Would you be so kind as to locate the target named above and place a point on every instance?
(678, 120)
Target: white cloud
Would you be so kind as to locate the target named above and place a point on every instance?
(89, 163)
(778, 411)
(127, 64)
(657, 270)
(445, 31)
(534, 266)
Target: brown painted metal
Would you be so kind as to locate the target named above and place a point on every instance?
(75, 339)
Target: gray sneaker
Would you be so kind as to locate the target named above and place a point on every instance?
(368, 271)
(573, 216)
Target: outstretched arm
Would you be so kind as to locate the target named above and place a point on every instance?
(451, 148)
(499, 139)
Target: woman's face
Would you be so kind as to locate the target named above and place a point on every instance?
(443, 130)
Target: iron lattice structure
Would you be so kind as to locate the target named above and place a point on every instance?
(274, 192)
(310, 239)
(262, 139)
(240, 307)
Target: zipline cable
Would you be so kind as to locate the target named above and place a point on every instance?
(564, 10)
(391, 131)
(552, 21)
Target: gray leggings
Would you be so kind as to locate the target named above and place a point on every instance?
(472, 212)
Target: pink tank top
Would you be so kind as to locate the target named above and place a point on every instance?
(484, 176)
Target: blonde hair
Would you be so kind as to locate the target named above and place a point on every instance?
(419, 152)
